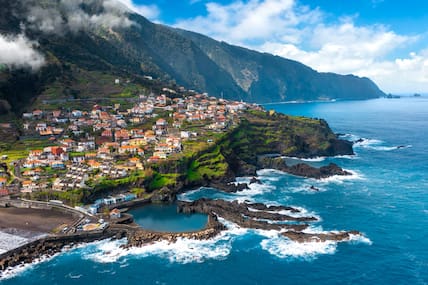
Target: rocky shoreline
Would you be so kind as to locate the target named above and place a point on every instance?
(288, 221)
(301, 169)
(263, 217)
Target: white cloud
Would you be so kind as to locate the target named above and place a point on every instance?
(68, 15)
(18, 52)
(252, 21)
(288, 29)
(151, 12)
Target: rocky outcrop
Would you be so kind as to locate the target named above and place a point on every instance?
(50, 246)
(261, 216)
(301, 169)
(245, 215)
(320, 237)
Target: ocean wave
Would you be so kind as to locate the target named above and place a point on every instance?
(360, 239)
(379, 145)
(285, 248)
(301, 214)
(182, 251)
(339, 179)
(269, 173)
(349, 137)
(306, 188)
(313, 159)
(10, 241)
(73, 276)
(15, 271)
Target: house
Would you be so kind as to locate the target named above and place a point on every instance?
(184, 135)
(29, 186)
(115, 214)
(121, 134)
(93, 164)
(130, 149)
(56, 150)
(27, 116)
(137, 133)
(36, 153)
(38, 113)
(56, 113)
(41, 127)
(137, 141)
(3, 182)
(78, 159)
(57, 164)
(68, 143)
(161, 123)
(153, 159)
(33, 163)
(4, 192)
(77, 113)
(83, 146)
(160, 154)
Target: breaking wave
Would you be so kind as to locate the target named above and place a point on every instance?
(182, 251)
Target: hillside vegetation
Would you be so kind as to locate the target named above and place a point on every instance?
(83, 61)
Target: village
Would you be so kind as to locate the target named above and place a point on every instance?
(107, 142)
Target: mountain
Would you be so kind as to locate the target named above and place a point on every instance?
(87, 43)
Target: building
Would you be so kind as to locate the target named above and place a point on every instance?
(3, 182)
(115, 214)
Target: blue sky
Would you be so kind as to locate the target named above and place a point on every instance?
(386, 40)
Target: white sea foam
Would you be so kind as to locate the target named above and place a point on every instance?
(360, 239)
(255, 189)
(313, 159)
(379, 145)
(306, 188)
(74, 276)
(269, 172)
(10, 241)
(350, 137)
(285, 248)
(339, 179)
(182, 251)
(12, 272)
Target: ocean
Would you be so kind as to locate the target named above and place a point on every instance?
(386, 198)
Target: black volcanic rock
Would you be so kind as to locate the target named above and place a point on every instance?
(302, 169)
(261, 216)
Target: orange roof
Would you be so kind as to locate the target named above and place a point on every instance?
(2, 179)
(127, 147)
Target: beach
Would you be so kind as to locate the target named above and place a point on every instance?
(19, 226)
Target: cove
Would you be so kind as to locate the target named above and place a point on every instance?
(164, 218)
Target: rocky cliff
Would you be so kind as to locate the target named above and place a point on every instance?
(110, 40)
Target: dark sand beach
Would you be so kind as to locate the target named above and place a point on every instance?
(33, 220)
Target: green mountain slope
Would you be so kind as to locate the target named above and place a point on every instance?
(112, 41)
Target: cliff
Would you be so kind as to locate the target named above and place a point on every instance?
(258, 141)
(81, 58)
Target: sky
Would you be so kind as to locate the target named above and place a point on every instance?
(385, 40)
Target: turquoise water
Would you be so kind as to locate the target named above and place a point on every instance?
(164, 218)
(386, 199)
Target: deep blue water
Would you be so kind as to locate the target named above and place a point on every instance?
(164, 218)
(386, 199)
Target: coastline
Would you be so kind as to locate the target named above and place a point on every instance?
(237, 163)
